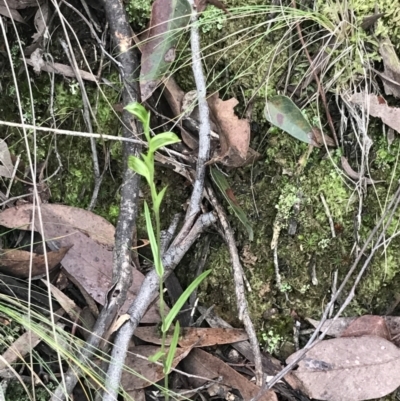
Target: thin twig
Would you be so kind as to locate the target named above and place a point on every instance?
(328, 214)
(70, 133)
(204, 115)
(239, 286)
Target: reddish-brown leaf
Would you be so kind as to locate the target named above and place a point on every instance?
(234, 133)
(158, 51)
(193, 336)
(203, 364)
(368, 325)
(16, 262)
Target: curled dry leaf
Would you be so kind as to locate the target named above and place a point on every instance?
(338, 326)
(234, 133)
(376, 106)
(62, 69)
(41, 20)
(16, 262)
(353, 174)
(193, 336)
(349, 369)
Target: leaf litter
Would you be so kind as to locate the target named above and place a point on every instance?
(193, 336)
(90, 259)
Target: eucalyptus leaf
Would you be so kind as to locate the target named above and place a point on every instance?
(167, 23)
(227, 192)
(284, 114)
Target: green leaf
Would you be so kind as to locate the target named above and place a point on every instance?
(226, 190)
(182, 299)
(142, 115)
(283, 113)
(139, 166)
(167, 23)
(172, 349)
(153, 242)
(158, 200)
(154, 358)
(149, 162)
(161, 140)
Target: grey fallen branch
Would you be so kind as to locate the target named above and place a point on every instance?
(122, 270)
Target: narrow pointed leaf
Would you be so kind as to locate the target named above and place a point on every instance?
(283, 113)
(154, 358)
(226, 190)
(182, 299)
(153, 242)
(172, 348)
(158, 200)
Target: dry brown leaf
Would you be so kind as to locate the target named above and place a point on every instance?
(350, 369)
(193, 336)
(203, 364)
(90, 260)
(377, 107)
(391, 78)
(74, 219)
(16, 262)
(174, 95)
(65, 70)
(234, 133)
(137, 360)
(338, 326)
(368, 325)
